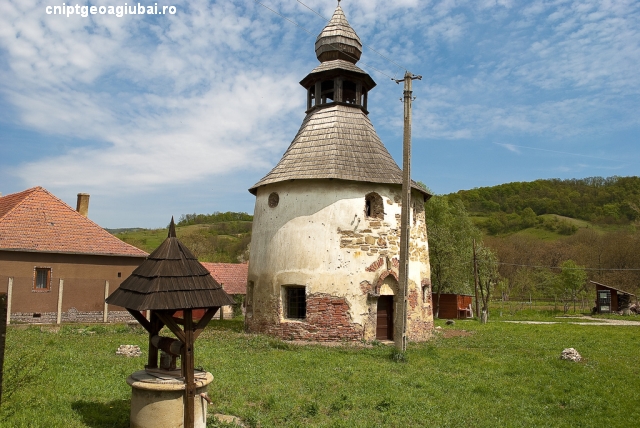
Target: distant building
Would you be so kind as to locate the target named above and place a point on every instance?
(325, 243)
(610, 299)
(52, 256)
(233, 278)
(454, 306)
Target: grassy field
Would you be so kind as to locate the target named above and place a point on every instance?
(470, 375)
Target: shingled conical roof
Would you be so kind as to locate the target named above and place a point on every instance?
(170, 278)
(338, 40)
(335, 142)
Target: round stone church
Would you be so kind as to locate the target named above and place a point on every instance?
(325, 244)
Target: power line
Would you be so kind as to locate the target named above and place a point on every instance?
(466, 263)
(333, 46)
(560, 267)
(284, 17)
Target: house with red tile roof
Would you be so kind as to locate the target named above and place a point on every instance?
(233, 278)
(55, 263)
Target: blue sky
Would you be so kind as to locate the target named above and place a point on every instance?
(161, 115)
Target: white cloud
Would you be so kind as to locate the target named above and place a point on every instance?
(167, 97)
(213, 89)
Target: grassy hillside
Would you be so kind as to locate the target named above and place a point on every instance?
(220, 240)
(554, 205)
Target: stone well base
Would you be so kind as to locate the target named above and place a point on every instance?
(157, 399)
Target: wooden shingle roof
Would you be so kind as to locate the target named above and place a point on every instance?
(170, 278)
(338, 39)
(336, 142)
(34, 220)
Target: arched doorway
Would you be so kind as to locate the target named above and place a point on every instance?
(384, 326)
(385, 309)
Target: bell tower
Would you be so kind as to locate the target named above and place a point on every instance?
(337, 80)
(325, 241)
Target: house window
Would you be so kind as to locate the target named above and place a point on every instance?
(373, 206)
(42, 279)
(295, 302)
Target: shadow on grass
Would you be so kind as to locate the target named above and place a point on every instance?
(114, 414)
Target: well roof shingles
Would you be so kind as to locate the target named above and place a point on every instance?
(34, 220)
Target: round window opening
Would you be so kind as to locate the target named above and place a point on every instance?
(274, 199)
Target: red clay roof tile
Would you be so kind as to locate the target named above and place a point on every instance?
(35, 220)
(232, 276)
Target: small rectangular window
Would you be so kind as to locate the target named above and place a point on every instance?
(295, 302)
(42, 279)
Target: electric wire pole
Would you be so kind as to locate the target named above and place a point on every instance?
(401, 342)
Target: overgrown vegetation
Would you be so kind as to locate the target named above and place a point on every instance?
(497, 374)
(530, 266)
(528, 248)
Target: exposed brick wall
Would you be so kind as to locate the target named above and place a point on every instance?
(375, 265)
(327, 320)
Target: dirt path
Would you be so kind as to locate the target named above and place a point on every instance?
(592, 321)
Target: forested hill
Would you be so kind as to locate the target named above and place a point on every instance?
(613, 200)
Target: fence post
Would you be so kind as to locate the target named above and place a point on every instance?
(3, 335)
(60, 293)
(105, 313)
(9, 293)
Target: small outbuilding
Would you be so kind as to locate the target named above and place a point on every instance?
(610, 299)
(453, 306)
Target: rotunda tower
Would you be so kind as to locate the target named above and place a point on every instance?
(325, 244)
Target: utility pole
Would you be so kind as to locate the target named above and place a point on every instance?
(475, 278)
(401, 342)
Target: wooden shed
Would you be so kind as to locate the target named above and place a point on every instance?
(454, 306)
(610, 299)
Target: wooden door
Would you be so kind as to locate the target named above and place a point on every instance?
(384, 327)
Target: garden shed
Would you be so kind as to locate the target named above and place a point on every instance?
(610, 299)
(454, 306)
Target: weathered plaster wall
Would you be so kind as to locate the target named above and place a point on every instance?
(84, 281)
(318, 236)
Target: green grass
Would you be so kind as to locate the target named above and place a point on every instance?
(500, 374)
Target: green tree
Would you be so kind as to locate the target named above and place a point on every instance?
(488, 277)
(451, 233)
(572, 280)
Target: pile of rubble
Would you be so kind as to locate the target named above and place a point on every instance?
(571, 354)
(634, 308)
(129, 350)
